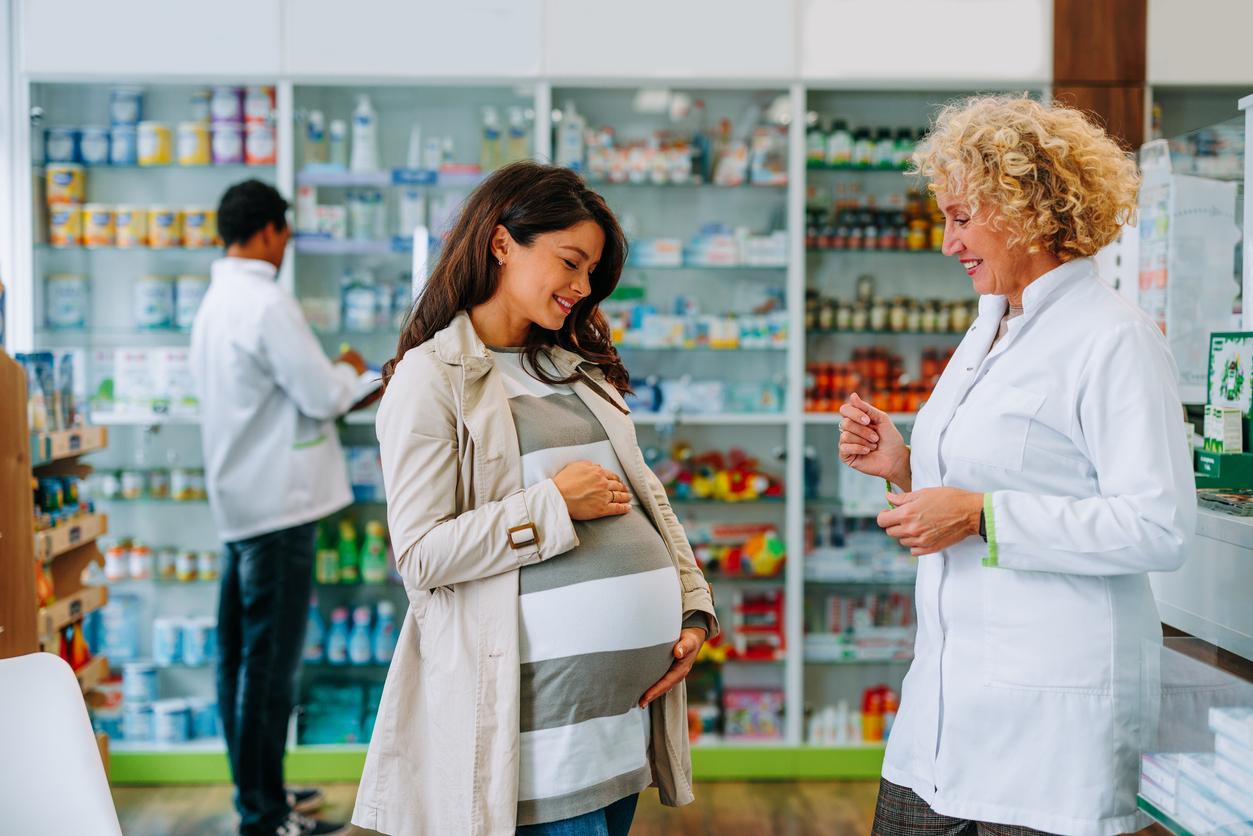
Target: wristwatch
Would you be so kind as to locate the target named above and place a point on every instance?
(983, 526)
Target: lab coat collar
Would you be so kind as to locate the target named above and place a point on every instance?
(1038, 294)
(458, 344)
(230, 267)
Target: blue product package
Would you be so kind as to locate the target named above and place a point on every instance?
(137, 722)
(119, 628)
(204, 718)
(62, 145)
(139, 682)
(93, 144)
(167, 641)
(124, 145)
(126, 106)
(171, 721)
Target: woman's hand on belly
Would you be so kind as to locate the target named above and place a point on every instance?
(932, 519)
(685, 650)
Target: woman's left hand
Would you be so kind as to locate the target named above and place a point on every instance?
(932, 519)
(685, 650)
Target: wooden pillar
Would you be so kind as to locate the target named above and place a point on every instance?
(1099, 62)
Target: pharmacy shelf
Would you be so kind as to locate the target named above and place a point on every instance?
(818, 418)
(204, 762)
(213, 251)
(1158, 815)
(1238, 531)
(329, 178)
(70, 609)
(867, 251)
(721, 503)
(47, 448)
(727, 419)
(106, 419)
(225, 168)
(79, 531)
(938, 335)
(704, 349)
(855, 169)
(341, 246)
(93, 673)
(709, 268)
(691, 184)
(151, 500)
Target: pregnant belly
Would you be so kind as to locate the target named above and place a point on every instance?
(598, 624)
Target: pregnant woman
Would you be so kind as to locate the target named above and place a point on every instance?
(555, 606)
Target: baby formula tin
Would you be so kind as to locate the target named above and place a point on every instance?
(65, 225)
(167, 641)
(99, 227)
(124, 145)
(189, 292)
(165, 228)
(139, 682)
(259, 145)
(171, 721)
(193, 144)
(131, 225)
(228, 143)
(155, 144)
(258, 104)
(126, 105)
(65, 298)
(137, 721)
(199, 641)
(94, 145)
(154, 302)
(66, 183)
(200, 227)
(227, 105)
(61, 145)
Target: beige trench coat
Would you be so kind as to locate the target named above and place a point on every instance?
(444, 755)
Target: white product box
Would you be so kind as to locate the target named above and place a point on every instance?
(175, 388)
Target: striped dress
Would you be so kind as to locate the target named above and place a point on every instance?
(598, 623)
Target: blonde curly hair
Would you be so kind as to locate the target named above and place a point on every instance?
(1050, 176)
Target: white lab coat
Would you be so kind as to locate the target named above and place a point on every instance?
(268, 401)
(1022, 705)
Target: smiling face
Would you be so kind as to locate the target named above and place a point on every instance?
(982, 247)
(540, 284)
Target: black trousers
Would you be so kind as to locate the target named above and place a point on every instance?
(262, 613)
(901, 812)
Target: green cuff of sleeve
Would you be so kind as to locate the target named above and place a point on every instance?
(887, 488)
(990, 524)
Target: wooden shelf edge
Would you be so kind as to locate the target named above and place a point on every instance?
(72, 608)
(63, 539)
(48, 448)
(93, 673)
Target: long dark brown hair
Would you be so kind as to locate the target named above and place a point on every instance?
(528, 199)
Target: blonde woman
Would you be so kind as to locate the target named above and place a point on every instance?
(1048, 474)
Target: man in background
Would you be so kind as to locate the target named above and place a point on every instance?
(274, 467)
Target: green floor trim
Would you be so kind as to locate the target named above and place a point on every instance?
(343, 764)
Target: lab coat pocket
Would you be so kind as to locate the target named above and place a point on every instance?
(993, 424)
(1047, 632)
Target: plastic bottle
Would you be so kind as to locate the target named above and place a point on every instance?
(316, 150)
(337, 638)
(413, 159)
(815, 144)
(374, 553)
(411, 212)
(840, 145)
(360, 645)
(365, 136)
(570, 139)
(349, 568)
(315, 634)
(385, 633)
(518, 143)
(490, 151)
(338, 144)
(326, 559)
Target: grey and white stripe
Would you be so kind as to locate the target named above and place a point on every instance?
(598, 623)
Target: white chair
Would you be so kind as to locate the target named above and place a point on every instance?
(51, 778)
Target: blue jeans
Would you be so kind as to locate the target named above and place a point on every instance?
(263, 609)
(614, 820)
